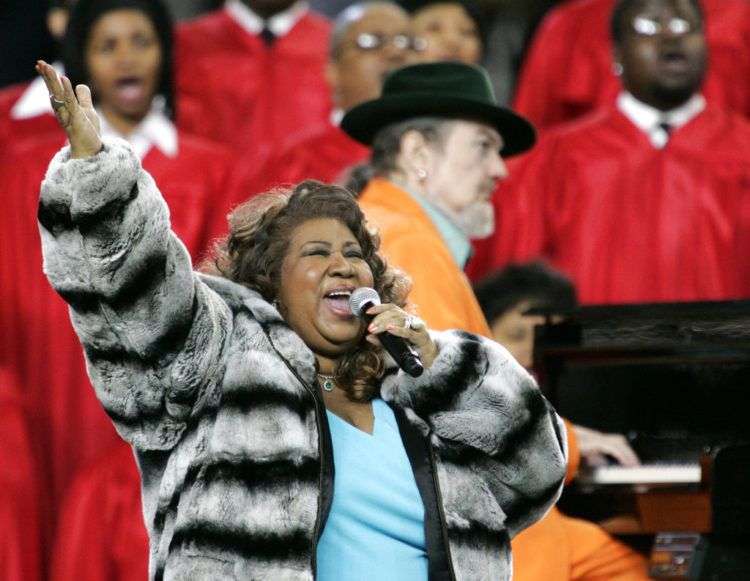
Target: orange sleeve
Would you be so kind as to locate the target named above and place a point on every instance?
(574, 454)
(440, 294)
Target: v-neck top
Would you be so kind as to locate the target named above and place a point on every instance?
(375, 529)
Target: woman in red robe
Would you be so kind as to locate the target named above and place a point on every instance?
(133, 95)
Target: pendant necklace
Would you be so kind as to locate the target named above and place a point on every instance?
(326, 382)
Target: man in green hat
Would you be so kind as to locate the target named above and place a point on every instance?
(437, 136)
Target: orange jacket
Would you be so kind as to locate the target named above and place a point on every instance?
(441, 293)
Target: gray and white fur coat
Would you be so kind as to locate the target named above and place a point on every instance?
(215, 394)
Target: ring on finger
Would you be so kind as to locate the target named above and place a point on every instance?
(413, 323)
(56, 103)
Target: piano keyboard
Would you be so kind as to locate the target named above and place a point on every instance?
(644, 474)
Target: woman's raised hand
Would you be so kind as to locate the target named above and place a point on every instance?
(74, 111)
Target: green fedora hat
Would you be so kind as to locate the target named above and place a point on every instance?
(443, 89)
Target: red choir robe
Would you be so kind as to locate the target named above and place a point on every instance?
(629, 222)
(325, 155)
(101, 534)
(22, 115)
(568, 70)
(20, 489)
(236, 90)
(70, 424)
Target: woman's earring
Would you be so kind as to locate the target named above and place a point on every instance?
(617, 69)
(421, 173)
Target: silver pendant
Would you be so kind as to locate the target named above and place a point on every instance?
(328, 384)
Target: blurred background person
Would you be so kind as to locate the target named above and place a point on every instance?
(369, 40)
(443, 31)
(646, 200)
(508, 294)
(559, 547)
(569, 72)
(451, 29)
(252, 74)
(123, 49)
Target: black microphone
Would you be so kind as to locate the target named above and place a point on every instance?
(402, 352)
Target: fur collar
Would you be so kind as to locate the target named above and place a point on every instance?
(284, 341)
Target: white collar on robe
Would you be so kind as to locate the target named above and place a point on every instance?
(280, 24)
(35, 99)
(155, 130)
(648, 119)
(336, 116)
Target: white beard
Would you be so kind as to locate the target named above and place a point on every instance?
(477, 220)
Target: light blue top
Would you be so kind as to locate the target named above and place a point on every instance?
(375, 530)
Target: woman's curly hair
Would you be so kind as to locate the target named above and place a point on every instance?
(258, 240)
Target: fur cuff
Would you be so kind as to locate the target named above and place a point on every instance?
(459, 353)
(87, 185)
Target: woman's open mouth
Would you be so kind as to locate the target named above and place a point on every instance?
(337, 301)
(130, 90)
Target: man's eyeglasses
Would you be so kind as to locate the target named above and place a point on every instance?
(369, 41)
(646, 26)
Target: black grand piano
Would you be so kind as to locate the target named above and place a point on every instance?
(675, 379)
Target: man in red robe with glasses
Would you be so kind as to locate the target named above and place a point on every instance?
(369, 40)
(646, 200)
(568, 70)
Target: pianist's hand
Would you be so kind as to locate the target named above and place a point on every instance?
(597, 447)
(74, 111)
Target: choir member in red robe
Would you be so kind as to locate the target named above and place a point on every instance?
(369, 41)
(20, 506)
(120, 48)
(452, 30)
(569, 72)
(647, 200)
(252, 75)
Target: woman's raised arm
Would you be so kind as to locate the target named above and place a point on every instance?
(153, 334)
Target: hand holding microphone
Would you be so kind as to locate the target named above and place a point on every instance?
(404, 336)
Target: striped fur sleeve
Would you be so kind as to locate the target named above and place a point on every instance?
(152, 333)
(486, 413)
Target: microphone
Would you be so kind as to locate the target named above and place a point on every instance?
(402, 352)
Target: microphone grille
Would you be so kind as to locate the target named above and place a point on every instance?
(360, 297)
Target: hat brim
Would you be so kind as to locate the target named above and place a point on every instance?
(363, 121)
